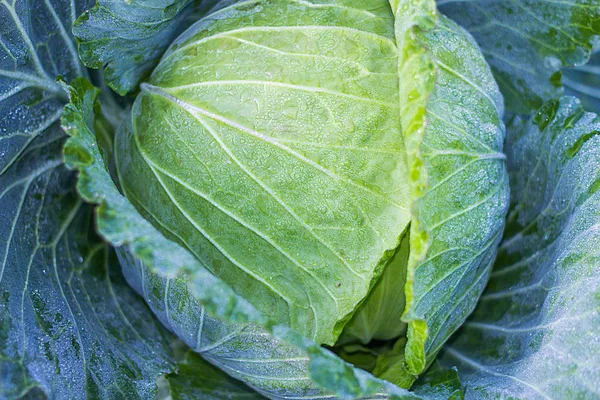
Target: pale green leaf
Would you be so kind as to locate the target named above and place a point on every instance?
(277, 123)
(452, 119)
(374, 319)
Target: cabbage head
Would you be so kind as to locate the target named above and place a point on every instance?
(279, 142)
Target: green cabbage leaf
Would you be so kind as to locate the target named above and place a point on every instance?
(242, 148)
(294, 149)
(306, 199)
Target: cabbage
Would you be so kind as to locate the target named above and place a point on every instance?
(298, 199)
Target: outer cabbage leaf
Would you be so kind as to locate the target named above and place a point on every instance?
(202, 310)
(584, 83)
(277, 123)
(126, 226)
(527, 42)
(69, 324)
(197, 379)
(35, 48)
(534, 334)
(129, 37)
(452, 123)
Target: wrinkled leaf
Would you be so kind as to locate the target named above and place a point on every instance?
(527, 42)
(534, 334)
(129, 37)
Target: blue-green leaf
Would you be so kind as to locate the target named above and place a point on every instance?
(584, 83)
(70, 327)
(534, 334)
(35, 47)
(527, 42)
(129, 37)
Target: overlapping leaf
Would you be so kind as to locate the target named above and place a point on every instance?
(534, 334)
(292, 145)
(527, 42)
(452, 122)
(129, 37)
